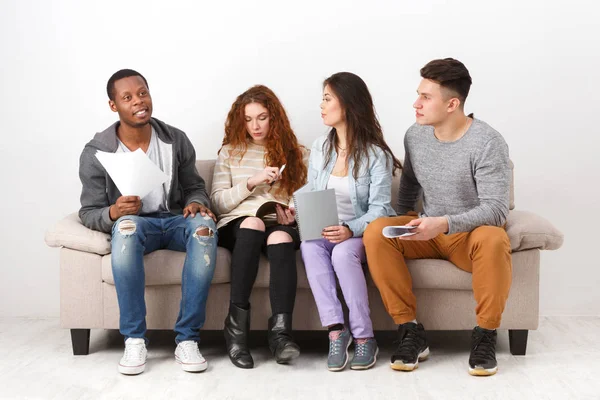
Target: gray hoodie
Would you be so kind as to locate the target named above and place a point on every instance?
(99, 191)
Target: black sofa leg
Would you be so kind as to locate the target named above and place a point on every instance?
(517, 340)
(81, 341)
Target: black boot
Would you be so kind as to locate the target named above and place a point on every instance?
(237, 327)
(281, 343)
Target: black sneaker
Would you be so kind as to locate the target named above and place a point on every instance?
(482, 361)
(412, 347)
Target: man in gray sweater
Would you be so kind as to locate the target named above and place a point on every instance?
(174, 216)
(460, 166)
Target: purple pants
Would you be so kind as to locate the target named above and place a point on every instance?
(323, 261)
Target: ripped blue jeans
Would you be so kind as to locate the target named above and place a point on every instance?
(134, 236)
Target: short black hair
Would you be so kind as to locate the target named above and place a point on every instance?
(450, 74)
(124, 73)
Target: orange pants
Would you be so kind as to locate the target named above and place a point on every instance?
(484, 252)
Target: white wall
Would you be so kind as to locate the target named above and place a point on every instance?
(534, 64)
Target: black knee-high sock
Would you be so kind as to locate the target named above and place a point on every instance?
(282, 288)
(244, 265)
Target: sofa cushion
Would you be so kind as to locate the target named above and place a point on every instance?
(164, 267)
(69, 232)
(205, 169)
(435, 274)
(527, 230)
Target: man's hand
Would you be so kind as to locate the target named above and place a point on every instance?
(337, 234)
(427, 228)
(285, 216)
(125, 205)
(194, 208)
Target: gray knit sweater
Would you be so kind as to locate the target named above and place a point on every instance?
(467, 180)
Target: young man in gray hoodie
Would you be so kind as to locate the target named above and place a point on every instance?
(174, 216)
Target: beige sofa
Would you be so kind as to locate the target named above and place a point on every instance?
(88, 299)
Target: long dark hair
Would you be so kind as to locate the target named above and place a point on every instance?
(362, 126)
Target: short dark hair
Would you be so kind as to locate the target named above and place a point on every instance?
(451, 74)
(124, 73)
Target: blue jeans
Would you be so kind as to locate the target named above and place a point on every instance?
(134, 236)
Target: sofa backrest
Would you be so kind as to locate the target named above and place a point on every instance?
(206, 168)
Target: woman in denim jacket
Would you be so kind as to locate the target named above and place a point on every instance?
(354, 160)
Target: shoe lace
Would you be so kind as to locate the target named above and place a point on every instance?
(408, 342)
(483, 346)
(335, 342)
(360, 347)
(134, 351)
(190, 349)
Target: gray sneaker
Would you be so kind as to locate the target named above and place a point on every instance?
(339, 342)
(365, 353)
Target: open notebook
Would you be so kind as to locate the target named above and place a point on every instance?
(315, 210)
(268, 207)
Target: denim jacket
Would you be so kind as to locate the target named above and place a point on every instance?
(370, 192)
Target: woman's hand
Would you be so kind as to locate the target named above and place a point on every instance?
(267, 175)
(337, 234)
(285, 216)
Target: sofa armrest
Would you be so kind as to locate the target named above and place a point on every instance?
(527, 230)
(70, 232)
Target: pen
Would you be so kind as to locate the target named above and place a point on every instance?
(280, 171)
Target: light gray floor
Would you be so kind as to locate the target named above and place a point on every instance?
(562, 362)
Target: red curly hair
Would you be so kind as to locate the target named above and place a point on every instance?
(281, 146)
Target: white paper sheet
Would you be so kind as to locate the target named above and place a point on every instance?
(133, 173)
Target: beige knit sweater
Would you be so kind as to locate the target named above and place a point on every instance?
(230, 196)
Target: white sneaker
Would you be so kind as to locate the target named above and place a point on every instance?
(188, 355)
(134, 358)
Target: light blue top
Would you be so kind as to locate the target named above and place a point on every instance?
(370, 192)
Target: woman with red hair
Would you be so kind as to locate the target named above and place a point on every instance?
(260, 161)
